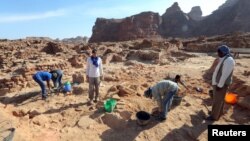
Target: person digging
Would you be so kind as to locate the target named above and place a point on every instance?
(163, 92)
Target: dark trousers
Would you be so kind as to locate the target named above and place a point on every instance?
(218, 101)
(58, 81)
(39, 80)
(94, 83)
(167, 101)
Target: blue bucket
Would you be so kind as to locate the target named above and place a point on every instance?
(67, 87)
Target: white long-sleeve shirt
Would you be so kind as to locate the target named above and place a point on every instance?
(227, 69)
(92, 70)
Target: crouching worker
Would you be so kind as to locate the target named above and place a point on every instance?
(163, 93)
(40, 77)
(57, 79)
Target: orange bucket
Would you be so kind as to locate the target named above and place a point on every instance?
(231, 98)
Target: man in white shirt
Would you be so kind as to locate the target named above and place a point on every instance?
(94, 76)
(222, 78)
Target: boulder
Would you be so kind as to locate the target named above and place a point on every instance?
(124, 91)
(19, 113)
(78, 90)
(113, 89)
(40, 120)
(78, 77)
(116, 97)
(144, 55)
(53, 48)
(109, 78)
(107, 58)
(4, 91)
(244, 102)
(77, 61)
(112, 57)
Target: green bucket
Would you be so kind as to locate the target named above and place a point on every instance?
(109, 105)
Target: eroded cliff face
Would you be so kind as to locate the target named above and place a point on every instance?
(176, 23)
(232, 16)
(142, 25)
(196, 13)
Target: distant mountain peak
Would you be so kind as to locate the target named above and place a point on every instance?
(173, 9)
(195, 13)
(78, 39)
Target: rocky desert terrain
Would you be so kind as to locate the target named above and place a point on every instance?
(130, 67)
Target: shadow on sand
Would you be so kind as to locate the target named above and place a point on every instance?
(52, 111)
(189, 133)
(129, 133)
(21, 99)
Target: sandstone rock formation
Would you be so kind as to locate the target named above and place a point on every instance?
(176, 23)
(76, 40)
(230, 17)
(142, 25)
(196, 13)
(78, 77)
(210, 44)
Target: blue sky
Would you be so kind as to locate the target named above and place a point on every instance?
(71, 18)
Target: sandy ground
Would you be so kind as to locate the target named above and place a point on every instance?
(69, 118)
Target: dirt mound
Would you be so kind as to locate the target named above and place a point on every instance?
(144, 55)
(53, 48)
(241, 87)
(77, 61)
(78, 77)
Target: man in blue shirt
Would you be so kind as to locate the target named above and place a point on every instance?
(40, 77)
